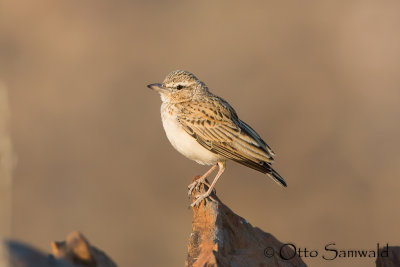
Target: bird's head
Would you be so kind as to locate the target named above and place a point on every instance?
(179, 86)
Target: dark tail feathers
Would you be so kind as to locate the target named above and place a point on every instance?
(276, 177)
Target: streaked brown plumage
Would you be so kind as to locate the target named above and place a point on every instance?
(205, 128)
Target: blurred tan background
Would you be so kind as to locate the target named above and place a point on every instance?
(319, 80)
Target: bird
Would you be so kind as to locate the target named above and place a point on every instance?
(205, 128)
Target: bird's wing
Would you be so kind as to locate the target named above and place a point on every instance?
(245, 127)
(215, 125)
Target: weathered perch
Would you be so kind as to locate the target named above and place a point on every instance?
(219, 237)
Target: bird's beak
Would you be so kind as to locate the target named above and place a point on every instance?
(156, 87)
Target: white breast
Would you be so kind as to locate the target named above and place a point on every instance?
(186, 144)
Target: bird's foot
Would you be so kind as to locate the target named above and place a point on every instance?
(199, 198)
(196, 185)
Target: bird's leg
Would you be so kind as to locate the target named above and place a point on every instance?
(196, 183)
(199, 198)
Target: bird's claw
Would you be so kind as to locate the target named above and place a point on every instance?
(196, 185)
(191, 187)
(199, 198)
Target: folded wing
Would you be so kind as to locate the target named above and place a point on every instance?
(217, 127)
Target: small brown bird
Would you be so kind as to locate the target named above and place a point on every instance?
(205, 128)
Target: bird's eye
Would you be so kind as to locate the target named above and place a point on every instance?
(179, 87)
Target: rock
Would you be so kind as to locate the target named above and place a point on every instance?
(390, 259)
(74, 252)
(18, 254)
(77, 249)
(219, 237)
